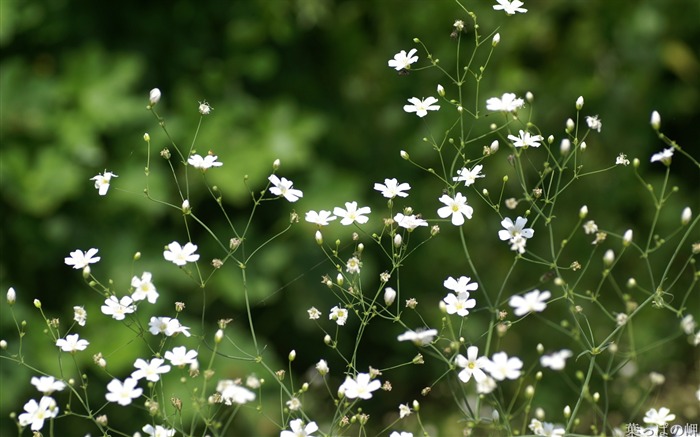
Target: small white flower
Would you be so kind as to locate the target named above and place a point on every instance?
(456, 207)
(421, 107)
(525, 139)
(47, 384)
(469, 176)
(167, 326)
(664, 156)
(360, 387)
(401, 434)
(157, 431)
(154, 96)
(314, 313)
(144, 288)
(419, 337)
(622, 160)
(688, 324)
(151, 370)
(340, 315)
(232, 393)
(123, 393)
(37, 412)
(118, 308)
(655, 120)
(403, 60)
(507, 103)
(283, 187)
(459, 303)
(102, 181)
(352, 214)
(180, 356)
(392, 188)
(204, 108)
(556, 360)
(353, 265)
(486, 386)
(180, 255)
(204, 163)
(322, 367)
(510, 7)
(409, 222)
(80, 260)
(511, 230)
(460, 285)
(501, 367)
(321, 218)
(533, 301)
(404, 411)
(594, 123)
(72, 343)
(79, 315)
(294, 404)
(472, 365)
(298, 429)
(590, 227)
(660, 417)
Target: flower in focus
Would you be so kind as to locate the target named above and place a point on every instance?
(352, 214)
(459, 303)
(660, 417)
(403, 60)
(353, 265)
(37, 412)
(283, 187)
(457, 207)
(180, 356)
(72, 343)
(533, 301)
(360, 387)
(204, 163)
(460, 285)
(664, 156)
(118, 308)
(501, 367)
(594, 123)
(516, 233)
(144, 288)
(47, 384)
(80, 260)
(391, 188)
(298, 429)
(102, 181)
(421, 107)
(404, 410)
(232, 393)
(556, 360)
(150, 370)
(409, 222)
(180, 255)
(167, 326)
(525, 139)
(340, 315)
(79, 315)
(123, 393)
(314, 313)
(469, 176)
(419, 337)
(509, 7)
(321, 218)
(508, 103)
(158, 431)
(472, 365)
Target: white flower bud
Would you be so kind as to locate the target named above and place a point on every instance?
(539, 413)
(37, 303)
(583, 146)
(339, 279)
(686, 215)
(579, 103)
(440, 90)
(3, 344)
(219, 336)
(485, 192)
(655, 120)
(631, 283)
(529, 96)
(567, 411)
(154, 96)
(319, 238)
(608, 257)
(583, 212)
(540, 348)
(389, 295)
(565, 146)
(494, 146)
(276, 164)
(627, 238)
(570, 125)
(496, 39)
(186, 207)
(495, 416)
(596, 397)
(529, 391)
(11, 296)
(398, 240)
(404, 155)
(327, 339)
(146, 137)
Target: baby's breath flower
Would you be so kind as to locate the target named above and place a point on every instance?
(204, 108)
(389, 296)
(579, 103)
(154, 96)
(686, 215)
(655, 120)
(622, 160)
(594, 123)
(11, 296)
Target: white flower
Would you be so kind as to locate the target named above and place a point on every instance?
(590, 227)
(546, 429)
(401, 434)
(118, 308)
(409, 222)
(509, 7)
(392, 188)
(664, 156)
(686, 215)
(154, 96)
(79, 315)
(533, 301)
(389, 296)
(204, 108)
(180, 356)
(353, 265)
(469, 176)
(204, 163)
(232, 393)
(486, 386)
(556, 360)
(459, 303)
(511, 230)
(622, 160)
(525, 139)
(457, 207)
(517, 244)
(352, 214)
(472, 365)
(321, 218)
(158, 431)
(283, 187)
(508, 103)
(123, 393)
(688, 324)
(460, 285)
(421, 107)
(501, 367)
(180, 255)
(660, 417)
(404, 411)
(322, 367)
(655, 120)
(167, 326)
(419, 337)
(47, 384)
(314, 313)
(594, 123)
(298, 429)
(403, 60)
(11, 296)
(144, 288)
(102, 181)
(340, 315)
(72, 343)
(150, 370)
(360, 387)
(37, 412)
(80, 260)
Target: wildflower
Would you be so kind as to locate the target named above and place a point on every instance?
(181, 255)
(352, 214)
(525, 139)
(472, 365)
(496, 39)
(118, 308)
(298, 429)
(353, 265)
(664, 156)
(421, 107)
(533, 301)
(512, 230)
(401, 434)
(404, 410)
(204, 163)
(158, 431)
(655, 120)
(72, 343)
(594, 123)
(47, 384)
(340, 315)
(167, 326)
(460, 285)
(180, 356)
(556, 360)
(389, 295)
(660, 417)
(457, 207)
(232, 393)
(590, 227)
(391, 188)
(294, 404)
(517, 244)
(283, 187)
(11, 296)
(469, 176)
(403, 60)
(123, 393)
(509, 7)
(688, 324)
(321, 218)
(102, 181)
(686, 215)
(501, 367)
(154, 96)
(150, 370)
(204, 108)
(80, 260)
(409, 222)
(507, 103)
(459, 303)
(486, 386)
(144, 288)
(360, 387)
(419, 337)
(322, 367)
(37, 412)
(546, 429)
(79, 315)
(314, 314)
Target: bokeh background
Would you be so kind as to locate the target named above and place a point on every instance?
(306, 81)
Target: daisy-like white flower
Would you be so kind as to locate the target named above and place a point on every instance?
(167, 326)
(144, 288)
(421, 107)
(469, 176)
(403, 60)
(556, 360)
(80, 260)
(232, 393)
(533, 301)
(456, 207)
(514, 229)
(461, 285)
(79, 315)
(321, 218)
(123, 392)
(594, 123)
(508, 103)
(459, 303)
(525, 139)
(72, 343)
(204, 163)
(283, 187)
(509, 7)
(158, 431)
(180, 356)
(47, 384)
(501, 367)
(660, 417)
(360, 387)
(118, 308)
(472, 365)
(353, 265)
(409, 222)
(419, 337)
(102, 181)
(392, 188)
(314, 313)
(352, 214)
(151, 370)
(298, 429)
(664, 156)
(37, 412)
(181, 255)
(340, 315)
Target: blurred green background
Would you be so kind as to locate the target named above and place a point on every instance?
(306, 81)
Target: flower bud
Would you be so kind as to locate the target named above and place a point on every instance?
(627, 238)
(529, 97)
(404, 155)
(3, 344)
(154, 96)
(276, 164)
(686, 215)
(219, 336)
(583, 212)
(37, 303)
(655, 120)
(494, 146)
(389, 295)
(567, 411)
(146, 137)
(579, 103)
(398, 240)
(540, 348)
(327, 339)
(609, 257)
(186, 209)
(529, 391)
(596, 397)
(319, 238)
(570, 125)
(416, 405)
(339, 279)
(292, 355)
(496, 39)
(631, 283)
(440, 90)
(11, 296)
(565, 146)
(583, 146)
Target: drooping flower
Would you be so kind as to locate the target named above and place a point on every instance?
(459, 303)
(204, 163)
(72, 343)
(472, 365)
(456, 207)
(509, 7)
(144, 288)
(392, 188)
(525, 139)
(556, 360)
(421, 107)
(151, 370)
(508, 103)
(102, 181)
(419, 337)
(180, 255)
(533, 301)
(321, 218)
(664, 156)
(80, 260)
(37, 412)
(403, 60)
(123, 392)
(298, 429)
(360, 387)
(469, 176)
(501, 367)
(118, 308)
(283, 187)
(352, 214)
